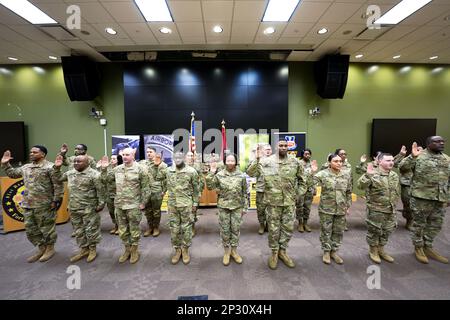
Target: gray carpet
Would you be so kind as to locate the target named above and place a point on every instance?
(153, 277)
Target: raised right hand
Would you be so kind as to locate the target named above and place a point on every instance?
(363, 158)
(64, 149)
(415, 151)
(6, 157)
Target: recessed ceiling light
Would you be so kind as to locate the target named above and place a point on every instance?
(154, 10)
(396, 57)
(280, 10)
(12, 59)
(401, 11)
(217, 29)
(322, 31)
(28, 11)
(269, 30)
(39, 70)
(434, 57)
(405, 69)
(359, 56)
(53, 58)
(110, 31)
(165, 30)
(437, 70)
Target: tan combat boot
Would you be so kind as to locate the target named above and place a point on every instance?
(285, 258)
(80, 255)
(336, 258)
(113, 230)
(48, 254)
(273, 260)
(125, 255)
(35, 257)
(408, 224)
(185, 255)
(262, 226)
(156, 231)
(148, 232)
(374, 255)
(326, 257)
(307, 227)
(236, 257)
(92, 254)
(226, 256)
(420, 255)
(176, 257)
(383, 255)
(134, 257)
(301, 227)
(433, 254)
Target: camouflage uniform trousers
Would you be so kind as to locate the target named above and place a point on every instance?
(87, 227)
(129, 225)
(111, 210)
(331, 231)
(181, 220)
(281, 225)
(428, 217)
(380, 225)
(230, 226)
(153, 210)
(261, 208)
(40, 226)
(303, 206)
(406, 197)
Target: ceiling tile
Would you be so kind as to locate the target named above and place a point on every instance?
(186, 11)
(214, 11)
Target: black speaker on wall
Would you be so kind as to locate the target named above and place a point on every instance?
(82, 78)
(331, 74)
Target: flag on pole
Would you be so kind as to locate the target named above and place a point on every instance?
(224, 139)
(192, 135)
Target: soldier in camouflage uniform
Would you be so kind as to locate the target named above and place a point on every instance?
(198, 166)
(86, 200)
(303, 205)
(132, 193)
(283, 177)
(361, 168)
(80, 150)
(346, 168)
(260, 204)
(382, 187)
(157, 190)
(42, 196)
(116, 160)
(405, 184)
(430, 185)
(231, 186)
(335, 201)
(183, 193)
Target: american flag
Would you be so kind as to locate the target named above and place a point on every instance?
(192, 136)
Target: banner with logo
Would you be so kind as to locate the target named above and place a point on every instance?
(247, 153)
(121, 142)
(296, 141)
(163, 143)
(12, 194)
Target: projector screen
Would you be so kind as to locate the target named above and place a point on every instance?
(388, 135)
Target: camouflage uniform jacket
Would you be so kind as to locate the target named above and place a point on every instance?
(41, 185)
(86, 190)
(231, 188)
(382, 190)
(156, 186)
(336, 193)
(431, 175)
(132, 186)
(284, 179)
(182, 186)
